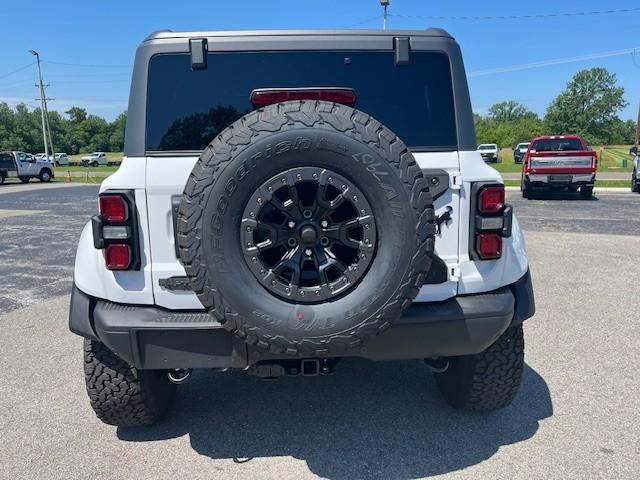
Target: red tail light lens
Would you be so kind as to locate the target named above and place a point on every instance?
(489, 246)
(113, 208)
(491, 199)
(269, 96)
(117, 256)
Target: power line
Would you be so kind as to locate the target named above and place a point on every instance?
(517, 17)
(362, 22)
(16, 70)
(89, 65)
(556, 61)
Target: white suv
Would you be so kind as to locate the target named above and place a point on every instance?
(297, 212)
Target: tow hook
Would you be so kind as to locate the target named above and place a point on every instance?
(179, 375)
(437, 364)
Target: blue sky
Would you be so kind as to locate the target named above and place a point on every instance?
(106, 33)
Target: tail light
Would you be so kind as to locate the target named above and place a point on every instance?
(115, 230)
(117, 256)
(113, 208)
(268, 96)
(489, 246)
(492, 220)
(491, 199)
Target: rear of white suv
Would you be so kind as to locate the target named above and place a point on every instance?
(150, 277)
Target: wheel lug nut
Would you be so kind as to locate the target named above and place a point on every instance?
(291, 224)
(324, 224)
(308, 252)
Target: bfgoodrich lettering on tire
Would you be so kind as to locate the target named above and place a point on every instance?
(306, 228)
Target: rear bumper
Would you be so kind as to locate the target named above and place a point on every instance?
(156, 338)
(561, 179)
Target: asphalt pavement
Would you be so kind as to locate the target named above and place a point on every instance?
(576, 415)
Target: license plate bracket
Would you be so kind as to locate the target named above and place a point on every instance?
(560, 178)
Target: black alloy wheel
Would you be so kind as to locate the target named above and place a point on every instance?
(308, 234)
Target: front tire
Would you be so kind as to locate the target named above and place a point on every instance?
(122, 395)
(45, 176)
(488, 380)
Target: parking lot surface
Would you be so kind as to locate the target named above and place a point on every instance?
(576, 415)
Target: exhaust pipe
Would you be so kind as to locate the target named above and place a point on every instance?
(179, 375)
(437, 364)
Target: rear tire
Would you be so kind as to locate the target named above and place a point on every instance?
(488, 380)
(121, 394)
(1, 178)
(586, 192)
(525, 188)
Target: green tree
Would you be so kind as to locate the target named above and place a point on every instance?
(508, 124)
(509, 111)
(587, 106)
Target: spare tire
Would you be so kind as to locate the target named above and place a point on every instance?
(306, 227)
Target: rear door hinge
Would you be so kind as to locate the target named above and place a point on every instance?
(456, 180)
(454, 272)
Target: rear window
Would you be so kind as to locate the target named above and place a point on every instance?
(557, 145)
(186, 109)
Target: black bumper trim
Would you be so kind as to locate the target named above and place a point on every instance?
(150, 337)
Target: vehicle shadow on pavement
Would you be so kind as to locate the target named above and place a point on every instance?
(562, 195)
(369, 420)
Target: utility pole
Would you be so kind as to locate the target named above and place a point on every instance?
(638, 127)
(43, 106)
(384, 4)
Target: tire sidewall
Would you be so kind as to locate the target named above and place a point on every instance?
(359, 163)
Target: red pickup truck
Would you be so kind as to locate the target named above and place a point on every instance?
(559, 162)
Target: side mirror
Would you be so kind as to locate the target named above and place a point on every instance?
(633, 150)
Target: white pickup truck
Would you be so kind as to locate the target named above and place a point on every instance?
(94, 159)
(24, 167)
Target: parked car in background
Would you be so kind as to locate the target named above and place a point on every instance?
(39, 156)
(490, 152)
(559, 162)
(18, 164)
(61, 159)
(519, 151)
(635, 175)
(94, 159)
